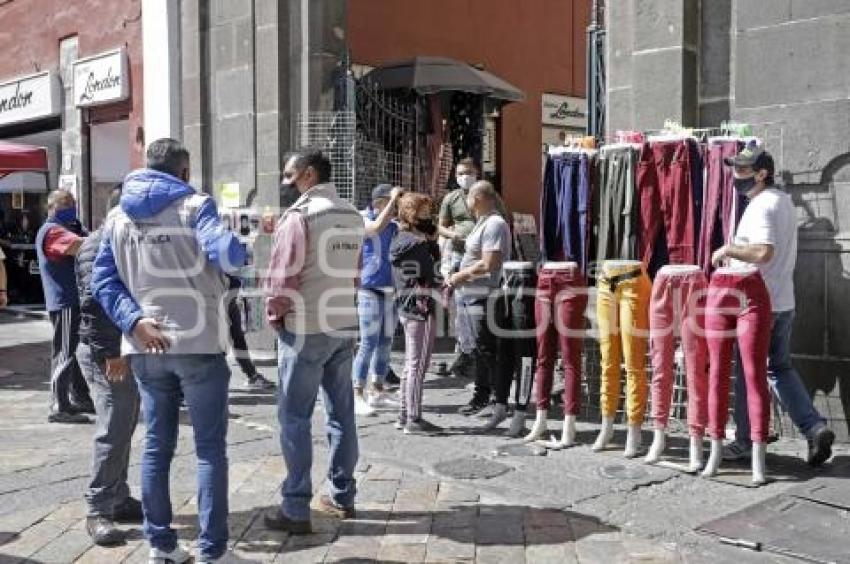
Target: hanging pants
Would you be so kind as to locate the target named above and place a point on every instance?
(622, 311)
(559, 310)
(676, 309)
(717, 221)
(738, 307)
(518, 346)
(616, 205)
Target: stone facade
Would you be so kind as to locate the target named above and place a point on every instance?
(780, 65)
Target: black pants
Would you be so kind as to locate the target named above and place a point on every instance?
(68, 388)
(477, 319)
(517, 351)
(237, 336)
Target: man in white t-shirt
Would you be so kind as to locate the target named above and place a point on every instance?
(767, 237)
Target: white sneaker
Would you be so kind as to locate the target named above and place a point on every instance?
(362, 407)
(176, 556)
(379, 400)
(227, 558)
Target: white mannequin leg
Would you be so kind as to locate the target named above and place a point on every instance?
(695, 464)
(568, 435)
(657, 448)
(517, 428)
(633, 440)
(606, 433)
(538, 431)
(759, 450)
(714, 458)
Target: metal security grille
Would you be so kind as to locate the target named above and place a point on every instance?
(334, 133)
(596, 71)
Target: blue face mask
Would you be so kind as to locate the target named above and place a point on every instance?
(66, 215)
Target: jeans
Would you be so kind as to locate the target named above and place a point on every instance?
(738, 308)
(377, 324)
(203, 380)
(676, 310)
(622, 313)
(477, 338)
(67, 385)
(560, 314)
(518, 345)
(783, 380)
(117, 408)
(419, 344)
(306, 363)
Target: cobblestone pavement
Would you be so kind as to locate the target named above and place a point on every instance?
(510, 506)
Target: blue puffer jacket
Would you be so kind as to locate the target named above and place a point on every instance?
(145, 194)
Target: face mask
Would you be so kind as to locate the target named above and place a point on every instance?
(66, 215)
(465, 181)
(744, 185)
(289, 194)
(426, 226)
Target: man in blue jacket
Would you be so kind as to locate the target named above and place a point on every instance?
(160, 276)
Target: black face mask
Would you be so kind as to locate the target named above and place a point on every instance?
(744, 185)
(426, 226)
(289, 194)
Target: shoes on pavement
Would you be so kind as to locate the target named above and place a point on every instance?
(103, 532)
(392, 378)
(421, 427)
(361, 406)
(380, 399)
(258, 383)
(85, 406)
(66, 417)
(227, 558)
(820, 447)
(176, 556)
(275, 520)
(327, 505)
(737, 451)
(130, 511)
(498, 414)
(473, 407)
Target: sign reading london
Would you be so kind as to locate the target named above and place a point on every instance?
(29, 98)
(101, 79)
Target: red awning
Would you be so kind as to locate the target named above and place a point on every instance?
(21, 158)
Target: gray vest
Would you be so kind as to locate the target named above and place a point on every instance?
(163, 266)
(328, 278)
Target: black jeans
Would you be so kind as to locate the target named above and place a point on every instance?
(237, 336)
(517, 354)
(68, 388)
(477, 319)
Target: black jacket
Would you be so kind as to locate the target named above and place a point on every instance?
(96, 329)
(415, 262)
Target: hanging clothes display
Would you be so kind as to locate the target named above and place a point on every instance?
(722, 206)
(559, 310)
(617, 204)
(565, 206)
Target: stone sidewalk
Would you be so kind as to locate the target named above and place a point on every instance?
(402, 517)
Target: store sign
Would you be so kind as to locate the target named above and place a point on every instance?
(101, 79)
(564, 111)
(29, 98)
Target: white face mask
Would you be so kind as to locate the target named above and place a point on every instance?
(465, 181)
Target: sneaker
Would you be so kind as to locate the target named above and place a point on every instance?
(176, 556)
(258, 384)
(380, 399)
(103, 532)
(66, 417)
(500, 413)
(362, 407)
(227, 558)
(421, 427)
(130, 511)
(473, 407)
(517, 428)
(277, 521)
(391, 378)
(820, 447)
(736, 451)
(85, 406)
(327, 505)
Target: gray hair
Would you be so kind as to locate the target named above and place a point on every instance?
(58, 198)
(483, 189)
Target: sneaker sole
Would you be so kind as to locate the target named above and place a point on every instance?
(824, 448)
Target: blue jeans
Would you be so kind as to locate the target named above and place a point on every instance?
(377, 325)
(784, 381)
(204, 379)
(307, 362)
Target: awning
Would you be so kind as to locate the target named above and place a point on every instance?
(21, 158)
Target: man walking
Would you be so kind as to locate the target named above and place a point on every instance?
(310, 288)
(160, 277)
(116, 403)
(456, 223)
(767, 237)
(477, 281)
(57, 244)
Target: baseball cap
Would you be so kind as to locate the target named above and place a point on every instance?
(754, 157)
(381, 191)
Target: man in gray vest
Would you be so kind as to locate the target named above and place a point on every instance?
(159, 275)
(310, 287)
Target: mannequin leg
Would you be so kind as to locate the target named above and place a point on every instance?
(538, 430)
(713, 465)
(759, 450)
(633, 441)
(568, 435)
(606, 433)
(695, 464)
(657, 448)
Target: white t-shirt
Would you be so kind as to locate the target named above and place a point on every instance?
(770, 219)
(490, 234)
